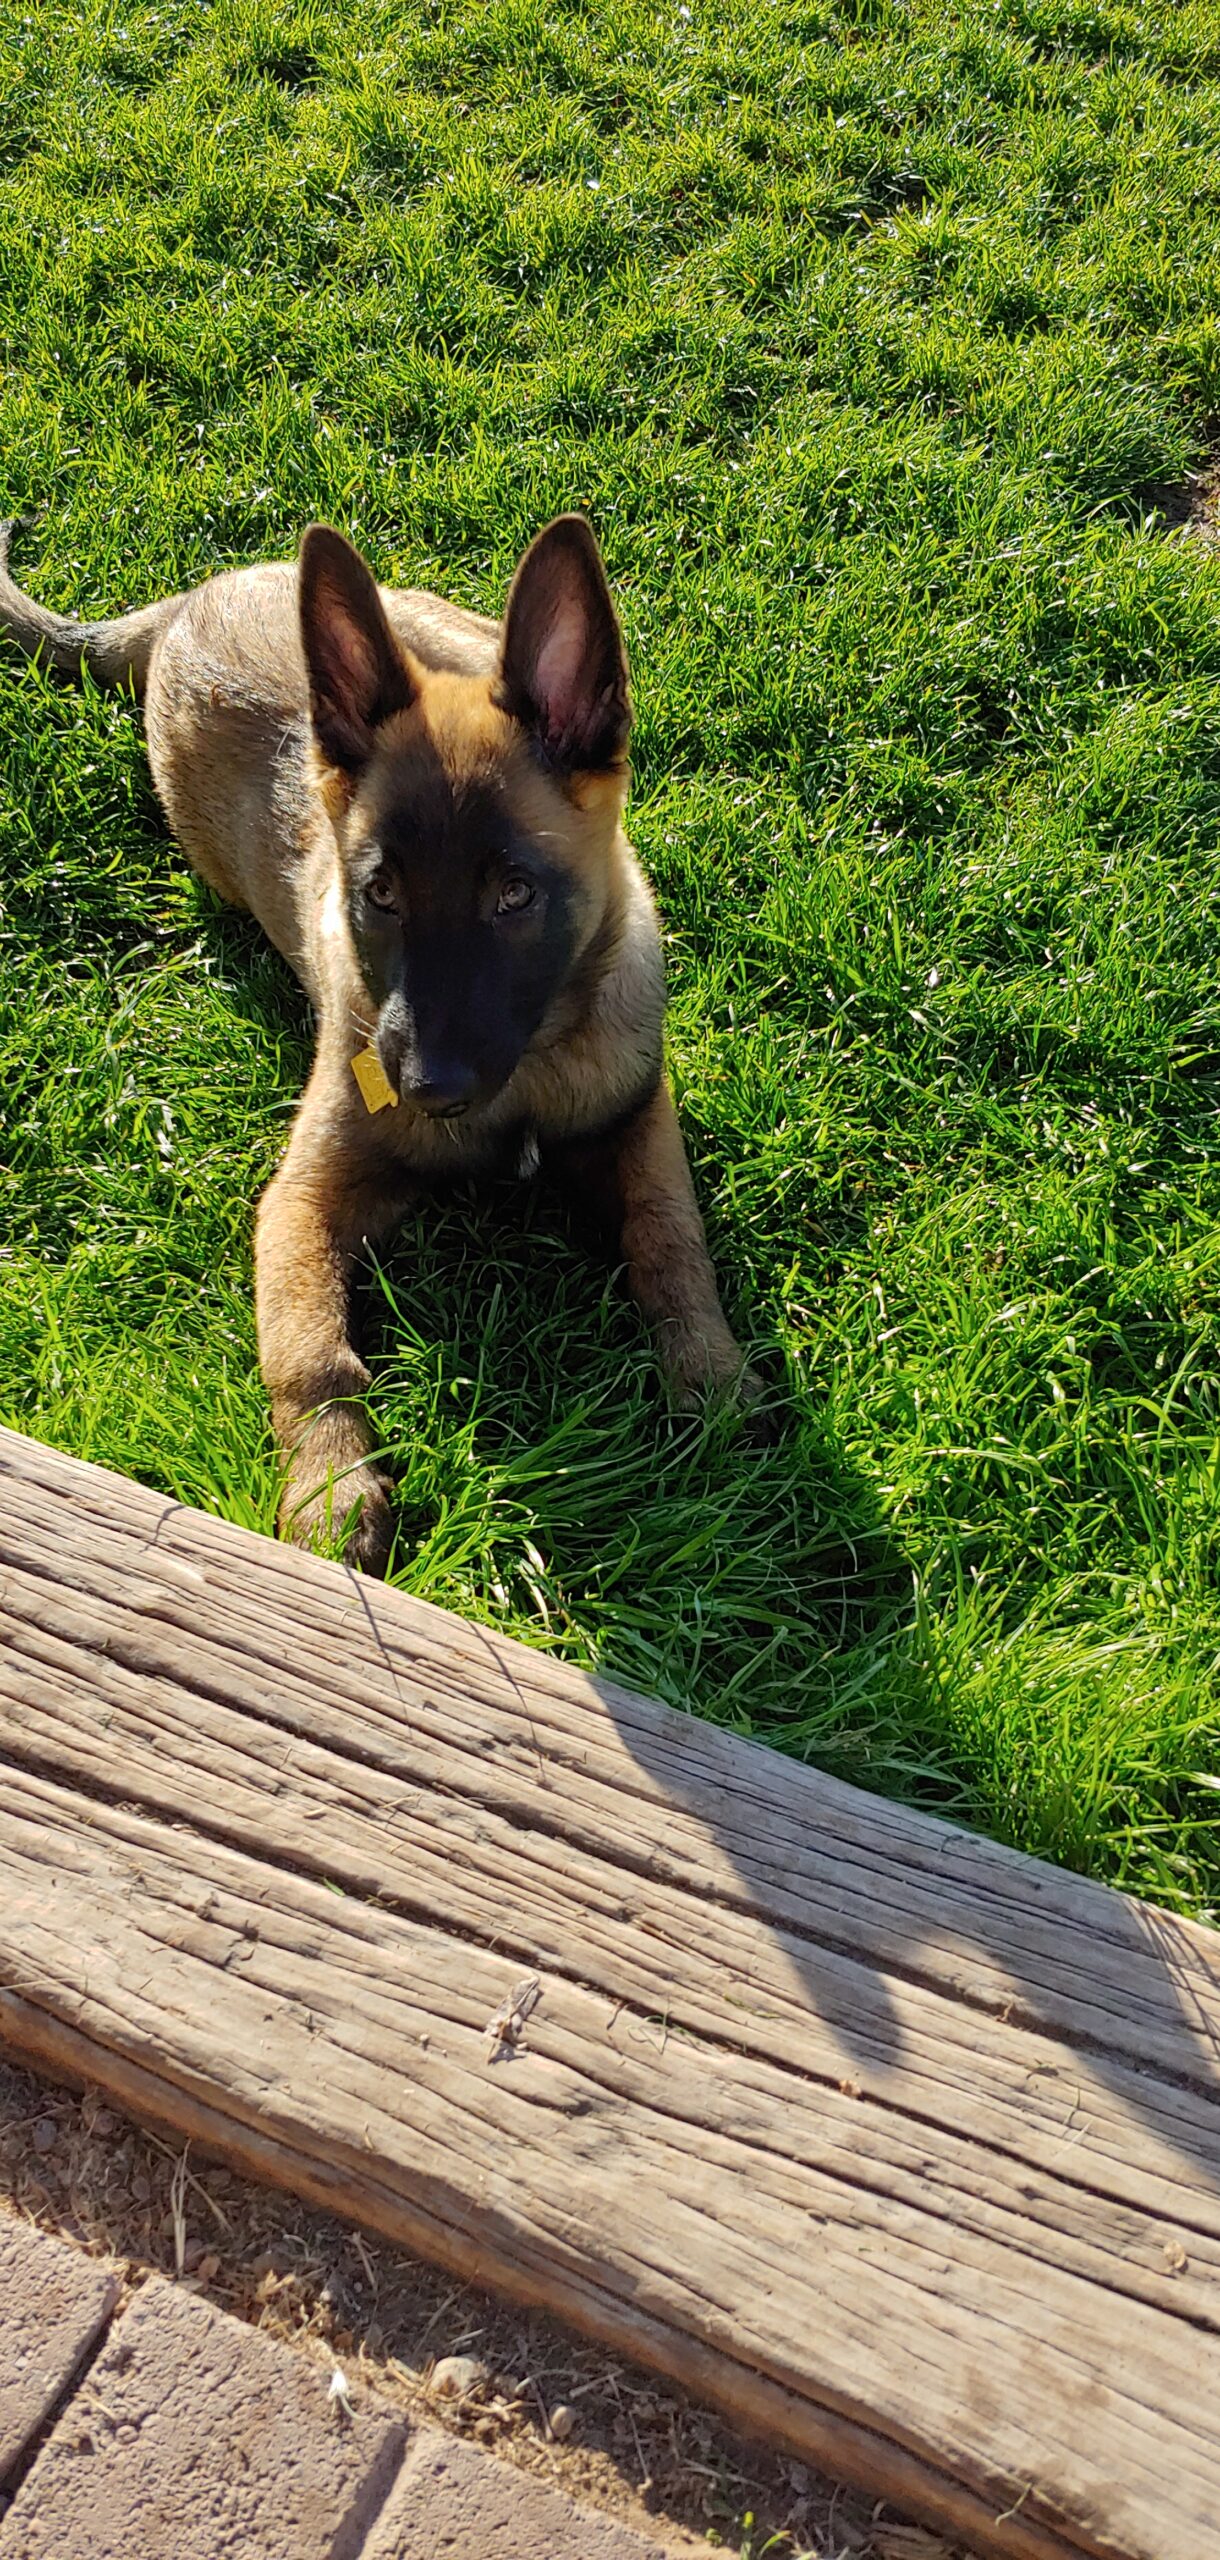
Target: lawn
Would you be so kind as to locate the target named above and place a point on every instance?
(875, 340)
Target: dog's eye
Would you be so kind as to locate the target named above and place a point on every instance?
(515, 895)
(380, 890)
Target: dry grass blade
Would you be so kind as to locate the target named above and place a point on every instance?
(177, 2206)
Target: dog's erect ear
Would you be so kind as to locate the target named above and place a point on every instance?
(563, 673)
(357, 674)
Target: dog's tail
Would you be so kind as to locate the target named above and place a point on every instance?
(115, 653)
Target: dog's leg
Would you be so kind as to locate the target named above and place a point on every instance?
(312, 1225)
(638, 1182)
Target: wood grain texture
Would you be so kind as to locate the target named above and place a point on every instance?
(901, 2148)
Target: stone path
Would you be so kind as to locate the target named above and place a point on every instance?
(185, 2432)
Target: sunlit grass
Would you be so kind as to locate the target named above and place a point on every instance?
(868, 336)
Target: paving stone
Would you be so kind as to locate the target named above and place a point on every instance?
(454, 2502)
(193, 2436)
(53, 2302)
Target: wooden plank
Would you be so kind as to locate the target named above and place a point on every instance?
(900, 2148)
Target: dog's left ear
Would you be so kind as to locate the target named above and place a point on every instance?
(563, 673)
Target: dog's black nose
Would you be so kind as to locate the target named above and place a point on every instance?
(444, 1094)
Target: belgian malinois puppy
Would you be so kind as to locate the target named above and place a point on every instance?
(424, 811)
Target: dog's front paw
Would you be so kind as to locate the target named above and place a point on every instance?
(706, 1367)
(750, 1397)
(347, 1515)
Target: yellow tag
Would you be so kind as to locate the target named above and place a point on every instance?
(376, 1089)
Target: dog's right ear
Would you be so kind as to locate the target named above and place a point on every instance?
(357, 674)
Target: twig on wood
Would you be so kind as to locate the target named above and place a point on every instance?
(503, 2030)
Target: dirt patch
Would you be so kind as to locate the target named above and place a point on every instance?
(1190, 506)
(606, 2432)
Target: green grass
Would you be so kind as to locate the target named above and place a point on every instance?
(866, 334)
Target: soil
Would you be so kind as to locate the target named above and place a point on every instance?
(625, 2442)
(1190, 506)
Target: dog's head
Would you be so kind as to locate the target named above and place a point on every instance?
(477, 816)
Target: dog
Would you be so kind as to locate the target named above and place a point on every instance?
(423, 809)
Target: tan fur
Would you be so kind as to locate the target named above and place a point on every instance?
(265, 821)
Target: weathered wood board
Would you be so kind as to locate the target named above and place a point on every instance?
(900, 2148)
